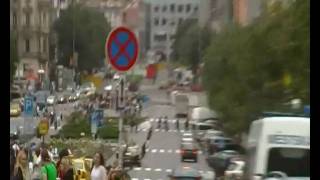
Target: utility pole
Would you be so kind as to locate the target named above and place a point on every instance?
(121, 105)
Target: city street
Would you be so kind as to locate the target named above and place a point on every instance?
(163, 153)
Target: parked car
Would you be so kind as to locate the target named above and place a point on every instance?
(185, 172)
(221, 160)
(216, 144)
(62, 98)
(51, 100)
(235, 170)
(210, 134)
(15, 109)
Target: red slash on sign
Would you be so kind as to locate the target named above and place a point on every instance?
(122, 49)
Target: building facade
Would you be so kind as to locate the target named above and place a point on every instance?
(215, 13)
(164, 18)
(245, 11)
(30, 26)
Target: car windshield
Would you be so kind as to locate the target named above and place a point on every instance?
(294, 162)
(205, 127)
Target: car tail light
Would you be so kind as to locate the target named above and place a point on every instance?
(194, 151)
(182, 151)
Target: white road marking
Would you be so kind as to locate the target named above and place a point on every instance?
(134, 179)
(151, 119)
(157, 130)
(178, 151)
(181, 131)
(161, 151)
(147, 169)
(170, 151)
(137, 168)
(154, 150)
(168, 170)
(158, 170)
(147, 150)
(147, 179)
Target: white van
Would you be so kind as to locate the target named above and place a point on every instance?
(281, 146)
(182, 105)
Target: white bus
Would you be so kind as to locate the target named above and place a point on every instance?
(279, 146)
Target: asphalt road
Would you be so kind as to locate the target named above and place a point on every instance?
(162, 154)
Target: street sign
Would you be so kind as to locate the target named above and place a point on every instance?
(43, 127)
(122, 49)
(28, 106)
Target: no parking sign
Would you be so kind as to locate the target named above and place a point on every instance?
(122, 49)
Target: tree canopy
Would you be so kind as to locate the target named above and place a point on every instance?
(91, 30)
(186, 48)
(259, 67)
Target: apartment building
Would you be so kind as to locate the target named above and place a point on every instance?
(30, 26)
(164, 18)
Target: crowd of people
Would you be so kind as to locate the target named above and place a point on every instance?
(38, 163)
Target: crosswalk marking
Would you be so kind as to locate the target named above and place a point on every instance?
(147, 169)
(158, 170)
(154, 150)
(170, 151)
(134, 179)
(137, 168)
(147, 150)
(168, 170)
(178, 151)
(161, 151)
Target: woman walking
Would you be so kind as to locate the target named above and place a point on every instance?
(66, 168)
(98, 171)
(21, 168)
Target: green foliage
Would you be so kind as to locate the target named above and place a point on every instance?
(91, 31)
(77, 124)
(14, 59)
(245, 66)
(190, 43)
(108, 132)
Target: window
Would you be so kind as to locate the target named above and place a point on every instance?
(44, 45)
(164, 8)
(27, 45)
(164, 21)
(160, 37)
(195, 9)
(14, 19)
(188, 8)
(180, 8)
(172, 7)
(44, 18)
(156, 21)
(27, 19)
(294, 162)
(156, 8)
(172, 23)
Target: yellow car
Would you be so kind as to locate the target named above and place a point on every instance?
(82, 167)
(15, 109)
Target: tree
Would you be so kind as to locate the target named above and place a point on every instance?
(186, 47)
(14, 59)
(259, 67)
(91, 30)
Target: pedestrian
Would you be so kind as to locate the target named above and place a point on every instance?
(61, 116)
(187, 124)
(66, 168)
(63, 153)
(98, 171)
(177, 124)
(143, 152)
(114, 171)
(48, 169)
(149, 133)
(21, 169)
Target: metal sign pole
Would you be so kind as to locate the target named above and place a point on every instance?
(121, 106)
